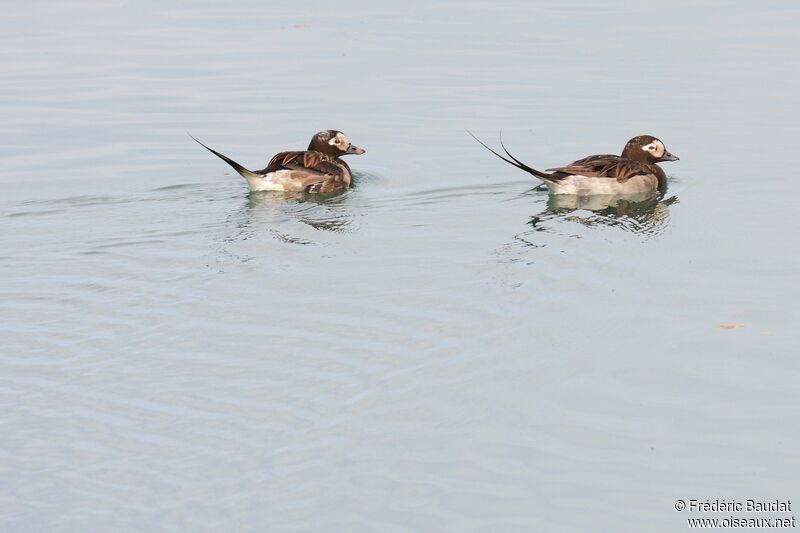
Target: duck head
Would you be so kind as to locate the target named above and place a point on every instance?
(647, 149)
(333, 143)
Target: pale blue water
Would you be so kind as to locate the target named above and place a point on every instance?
(442, 348)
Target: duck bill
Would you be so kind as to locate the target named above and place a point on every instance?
(670, 157)
(355, 150)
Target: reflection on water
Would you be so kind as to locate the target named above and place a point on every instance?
(319, 211)
(290, 217)
(329, 213)
(646, 214)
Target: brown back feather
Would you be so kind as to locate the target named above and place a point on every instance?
(607, 166)
(317, 172)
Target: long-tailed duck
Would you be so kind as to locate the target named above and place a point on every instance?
(316, 170)
(635, 171)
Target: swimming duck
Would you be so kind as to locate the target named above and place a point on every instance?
(634, 172)
(316, 170)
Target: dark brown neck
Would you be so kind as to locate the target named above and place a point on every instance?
(661, 175)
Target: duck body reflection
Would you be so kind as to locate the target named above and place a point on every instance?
(328, 213)
(644, 213)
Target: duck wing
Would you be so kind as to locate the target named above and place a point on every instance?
(315, 171)
(605, 166)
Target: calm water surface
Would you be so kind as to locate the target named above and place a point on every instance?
(441, 348)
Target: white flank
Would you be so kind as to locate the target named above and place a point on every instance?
(280, 180)
(584, 185)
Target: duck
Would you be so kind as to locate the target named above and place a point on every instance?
(633, 172)
(319, 169)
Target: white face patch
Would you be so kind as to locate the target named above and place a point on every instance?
(656, 148)
(340, 140)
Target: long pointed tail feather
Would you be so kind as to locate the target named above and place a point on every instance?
(514, 161)
(245, 173)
